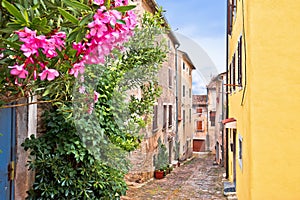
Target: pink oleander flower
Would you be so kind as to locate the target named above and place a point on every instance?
(77, 68)
(59, 39)
(105, 33)
(96, 96)
(79, 47)
(33, 43)
(18, 70)
(81, 79)
(29, 50)
(118, 3)
(26, 33)
(131, 20)
(42, 65)
(82, 89)
(99, 2)
(91, 108)
(49, 49)
(17, 83)
(50, 74)
(97, 29)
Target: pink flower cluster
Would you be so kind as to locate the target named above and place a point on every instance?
(108, 30)
(30, 48)
(48, 45)
(115, 3)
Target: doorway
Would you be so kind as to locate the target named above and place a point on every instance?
(7, 155)
(234, 155)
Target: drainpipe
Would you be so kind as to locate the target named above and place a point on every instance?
(227, 107)
(176, 98)
(222, 126)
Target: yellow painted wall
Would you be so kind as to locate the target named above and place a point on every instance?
(275, 100)
(269, 120)
(240, 110)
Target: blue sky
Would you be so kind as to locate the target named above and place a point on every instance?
(203, 22)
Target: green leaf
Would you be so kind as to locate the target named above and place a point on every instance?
(12, 44)
(25, 14)
(107, 3)
(124, 8)
(46, 92)
(68, 16)
(76, 4)
(119, 21)
(14, 11)
(86, 19)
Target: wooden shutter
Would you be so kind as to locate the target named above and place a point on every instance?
(199, 126)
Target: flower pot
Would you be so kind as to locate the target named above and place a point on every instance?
(159, 174)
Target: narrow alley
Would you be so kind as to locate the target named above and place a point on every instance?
(196, 179)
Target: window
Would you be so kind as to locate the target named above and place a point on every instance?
(170, 78)
(199, 110)
(170, 115)
(154, 125)
(212, 116)
(183, 91)
(240, 62)
(233, 9)
(165, 116)
(190, 115)
(241, 151)
(199, 125)
(190, 93)
(183, 65)
(231, 15)
(233, 72)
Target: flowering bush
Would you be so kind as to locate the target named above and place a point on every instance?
(50, 47)
(85, 157)
(37, 48)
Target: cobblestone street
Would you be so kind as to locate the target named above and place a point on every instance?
(196, 179)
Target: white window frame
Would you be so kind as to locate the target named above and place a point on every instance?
(240, 152)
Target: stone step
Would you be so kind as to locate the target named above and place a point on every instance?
(232, 197)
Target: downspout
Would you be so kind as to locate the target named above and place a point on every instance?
(222, 126)
(227, 102)
(176, 99)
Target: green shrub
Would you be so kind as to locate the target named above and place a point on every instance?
(64, 169)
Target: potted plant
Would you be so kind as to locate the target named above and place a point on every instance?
(161, 160)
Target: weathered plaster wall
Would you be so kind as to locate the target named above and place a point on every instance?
(25, 126)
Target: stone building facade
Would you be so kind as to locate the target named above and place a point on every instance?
(220, 115)
(163, 124)
(216, 106)
(200, 122)
(185, 122)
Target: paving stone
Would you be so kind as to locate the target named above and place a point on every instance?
(199, 179)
